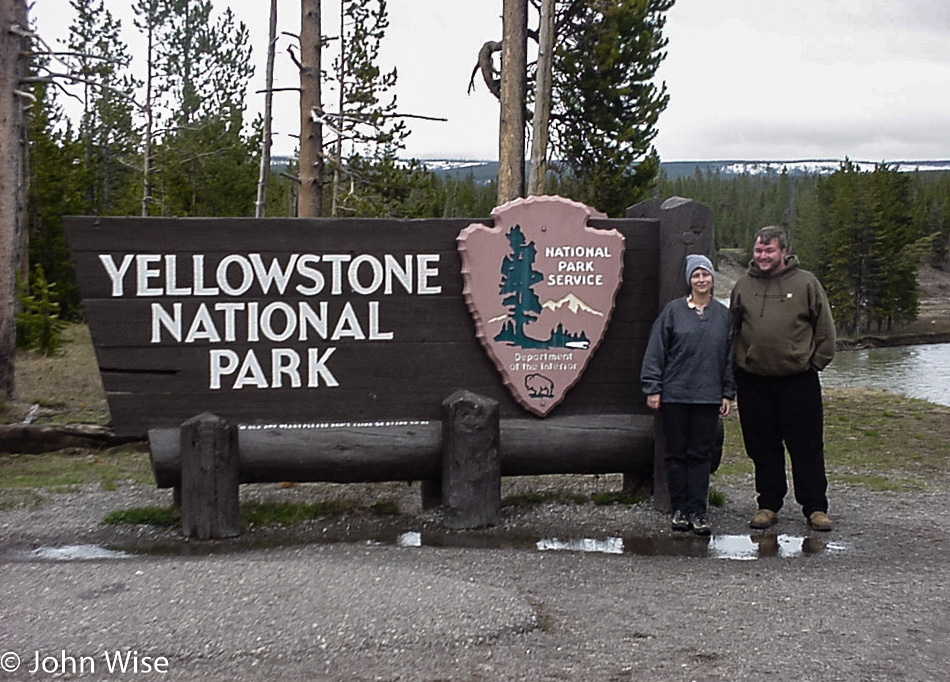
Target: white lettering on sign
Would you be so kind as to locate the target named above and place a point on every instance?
(283, 365)
(575, 266)
(590, 280)
(236, 278)
(576, 252)
(576, 259)
(278, 321)
(240, 275)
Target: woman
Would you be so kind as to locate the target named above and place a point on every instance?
(687, 375)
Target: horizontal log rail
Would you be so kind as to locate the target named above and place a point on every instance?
(412, 451)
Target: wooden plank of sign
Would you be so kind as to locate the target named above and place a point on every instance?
(135, 413)
(161, 235)
(639, 260)
(369, 363)
(158, 235)
(434, 349)
(417, 319)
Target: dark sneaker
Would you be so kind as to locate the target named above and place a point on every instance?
(680, 522)
(700, 524)
(819, 521)
(764, 518)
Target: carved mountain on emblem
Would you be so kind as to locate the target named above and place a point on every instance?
(573, 303)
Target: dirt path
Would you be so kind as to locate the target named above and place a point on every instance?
(868, 601)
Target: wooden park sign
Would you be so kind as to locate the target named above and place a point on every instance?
(540, 267)
(274, 323)
(334, 349)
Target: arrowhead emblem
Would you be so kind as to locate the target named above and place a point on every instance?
(541, 285)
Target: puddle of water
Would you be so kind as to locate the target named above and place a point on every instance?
(608, 546)
(750, 547)
(734, 547)
(75, 553)
(411, 539)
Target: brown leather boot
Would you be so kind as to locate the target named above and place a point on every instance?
(819, 521)
(764, 518)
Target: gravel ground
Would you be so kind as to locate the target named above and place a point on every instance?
(556, 592)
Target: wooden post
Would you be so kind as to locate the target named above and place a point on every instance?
(471, 465)
(210, 506)
(431, 493)
(686, 227)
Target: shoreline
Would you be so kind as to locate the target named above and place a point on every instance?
(883, 341)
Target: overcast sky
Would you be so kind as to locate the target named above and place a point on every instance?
(747, 79)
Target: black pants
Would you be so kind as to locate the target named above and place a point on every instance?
(691, 436)
(778, 413)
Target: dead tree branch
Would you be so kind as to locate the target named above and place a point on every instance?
(490, 74)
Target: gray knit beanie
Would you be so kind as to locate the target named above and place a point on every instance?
(694, 261)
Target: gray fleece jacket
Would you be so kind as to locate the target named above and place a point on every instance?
(688, 357)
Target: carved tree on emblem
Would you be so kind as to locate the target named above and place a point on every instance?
(518, 276)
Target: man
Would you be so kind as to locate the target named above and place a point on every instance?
(784, 336)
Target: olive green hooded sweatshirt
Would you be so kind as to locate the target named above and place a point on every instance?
(783, 323)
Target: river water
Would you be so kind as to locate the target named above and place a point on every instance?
(917, 371)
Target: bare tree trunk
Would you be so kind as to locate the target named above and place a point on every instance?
(149, 124)
(261, 204)
(542, 101)
(337, 159)
(511, 131)
(310, 199)
(13, 178)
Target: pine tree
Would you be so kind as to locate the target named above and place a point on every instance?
(39, 325)
(896, 298)
(365, 125)
(606, 105)
(106, 129)
(199, 68)
(810, 238)
(846, 220)
(873, 250)
(56, 188)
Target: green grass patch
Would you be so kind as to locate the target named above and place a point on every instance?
(879, 483)
(873, 439)
(738, 465)
(291, 513)
(618, 497)
(58, 471)
(21, 498)
(261, 514)
(717, 498)
(389, 507)
(537, 497)
(164, 517)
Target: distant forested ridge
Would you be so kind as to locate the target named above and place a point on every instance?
(865, 231)
(863, 228)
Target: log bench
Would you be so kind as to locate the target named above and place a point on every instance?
(460, 460)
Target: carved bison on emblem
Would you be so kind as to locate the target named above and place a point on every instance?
(539, 386)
